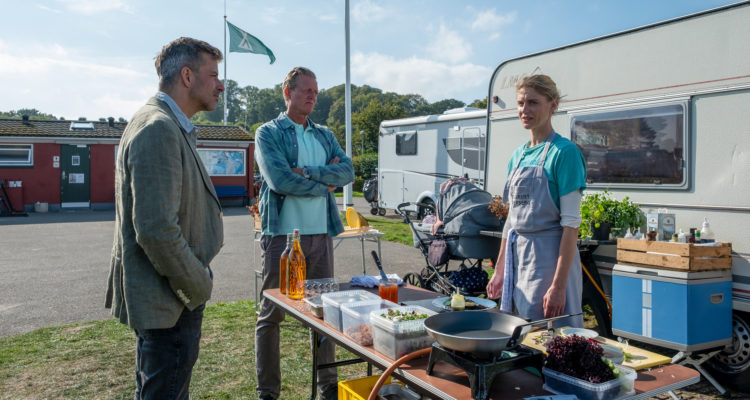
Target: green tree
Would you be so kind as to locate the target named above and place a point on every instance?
(479, 103)
(33, 113)
(364, 164)
(439, 107)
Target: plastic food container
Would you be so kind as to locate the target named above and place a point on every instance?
(560, 383)
(316, 305)
(332, 304)
(355, 319)
(398, 338)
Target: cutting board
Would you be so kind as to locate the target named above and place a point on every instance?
(641, 358)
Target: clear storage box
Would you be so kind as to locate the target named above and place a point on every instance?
(355, 319)
(560, 383)
(398, 338)
(332, 304)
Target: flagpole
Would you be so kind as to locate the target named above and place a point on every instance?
(226, 55)
(348, 106)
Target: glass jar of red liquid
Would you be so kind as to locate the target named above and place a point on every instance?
(388, 290)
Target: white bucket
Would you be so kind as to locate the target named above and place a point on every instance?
(41, 207)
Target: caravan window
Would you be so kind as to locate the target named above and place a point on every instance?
(635, 147)
(406, 144)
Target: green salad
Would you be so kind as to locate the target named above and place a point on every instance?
(397, 315)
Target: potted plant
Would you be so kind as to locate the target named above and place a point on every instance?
(600, 214)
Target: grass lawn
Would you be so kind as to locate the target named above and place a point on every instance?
(95, 360)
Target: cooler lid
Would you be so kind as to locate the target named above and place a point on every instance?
(622, 269)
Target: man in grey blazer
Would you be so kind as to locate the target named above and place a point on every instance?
(168, 224)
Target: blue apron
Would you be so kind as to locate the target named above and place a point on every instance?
(535, 244)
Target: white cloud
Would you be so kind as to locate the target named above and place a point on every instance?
(271, 15)
(53, 81)
(89, 7)
(328, 17)
(449, 45)
(45, 8)
(367, 11)
(489, 20)
(432, 79)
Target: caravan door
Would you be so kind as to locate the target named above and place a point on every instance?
(391, 188)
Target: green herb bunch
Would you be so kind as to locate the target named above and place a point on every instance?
(601, 207)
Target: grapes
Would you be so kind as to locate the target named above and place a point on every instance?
(578, 357)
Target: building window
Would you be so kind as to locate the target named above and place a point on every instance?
(223, 162)
(16, 155)
(75, 161)
(634, 147)
(406, 144)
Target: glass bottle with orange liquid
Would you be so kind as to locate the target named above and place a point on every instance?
(284, 263)
(296, 270)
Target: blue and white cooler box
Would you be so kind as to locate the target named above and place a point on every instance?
(685, 311)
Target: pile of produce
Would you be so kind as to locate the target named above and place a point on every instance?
(580, 358)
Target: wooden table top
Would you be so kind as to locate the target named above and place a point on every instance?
(449, 382)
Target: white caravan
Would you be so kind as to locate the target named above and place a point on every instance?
(662, 115)
(417, 154)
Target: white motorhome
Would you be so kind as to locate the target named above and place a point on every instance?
(662, 115)
(417, 154)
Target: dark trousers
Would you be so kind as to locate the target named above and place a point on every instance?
(164, 358)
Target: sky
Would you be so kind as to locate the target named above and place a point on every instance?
(95, 58)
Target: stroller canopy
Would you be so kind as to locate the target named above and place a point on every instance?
(464, 209)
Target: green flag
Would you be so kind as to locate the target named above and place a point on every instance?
(243, 42)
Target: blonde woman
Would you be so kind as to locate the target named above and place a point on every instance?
(538, 273)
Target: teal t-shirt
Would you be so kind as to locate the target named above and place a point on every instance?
(306, 213)
(564, 165)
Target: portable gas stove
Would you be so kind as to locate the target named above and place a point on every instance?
(481, 368)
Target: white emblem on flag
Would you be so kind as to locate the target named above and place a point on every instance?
(245, 43)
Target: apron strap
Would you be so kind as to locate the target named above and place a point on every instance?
(546, 148)
(544, 152)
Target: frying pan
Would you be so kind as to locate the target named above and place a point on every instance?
(480, 331)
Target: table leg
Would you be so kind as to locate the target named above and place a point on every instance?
(316, 343)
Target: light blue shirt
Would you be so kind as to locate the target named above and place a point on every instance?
(181, 117)
(564, 166)
(306, 213)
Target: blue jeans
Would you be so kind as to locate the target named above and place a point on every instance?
(164, 358)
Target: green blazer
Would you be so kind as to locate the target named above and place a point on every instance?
(168, 224)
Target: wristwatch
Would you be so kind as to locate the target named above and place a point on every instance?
(306, 173)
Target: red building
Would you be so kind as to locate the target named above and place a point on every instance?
(70, 164)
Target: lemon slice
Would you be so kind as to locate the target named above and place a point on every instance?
(354, 219)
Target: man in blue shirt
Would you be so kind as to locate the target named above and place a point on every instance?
(301, 164)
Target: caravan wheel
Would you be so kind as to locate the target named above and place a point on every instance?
(732, 366)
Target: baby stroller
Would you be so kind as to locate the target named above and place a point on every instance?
(463, 208)
(370, 192)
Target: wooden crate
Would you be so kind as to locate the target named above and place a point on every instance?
(680, 256)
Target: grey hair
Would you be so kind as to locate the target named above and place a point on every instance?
(183, 52)
(291, 78)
